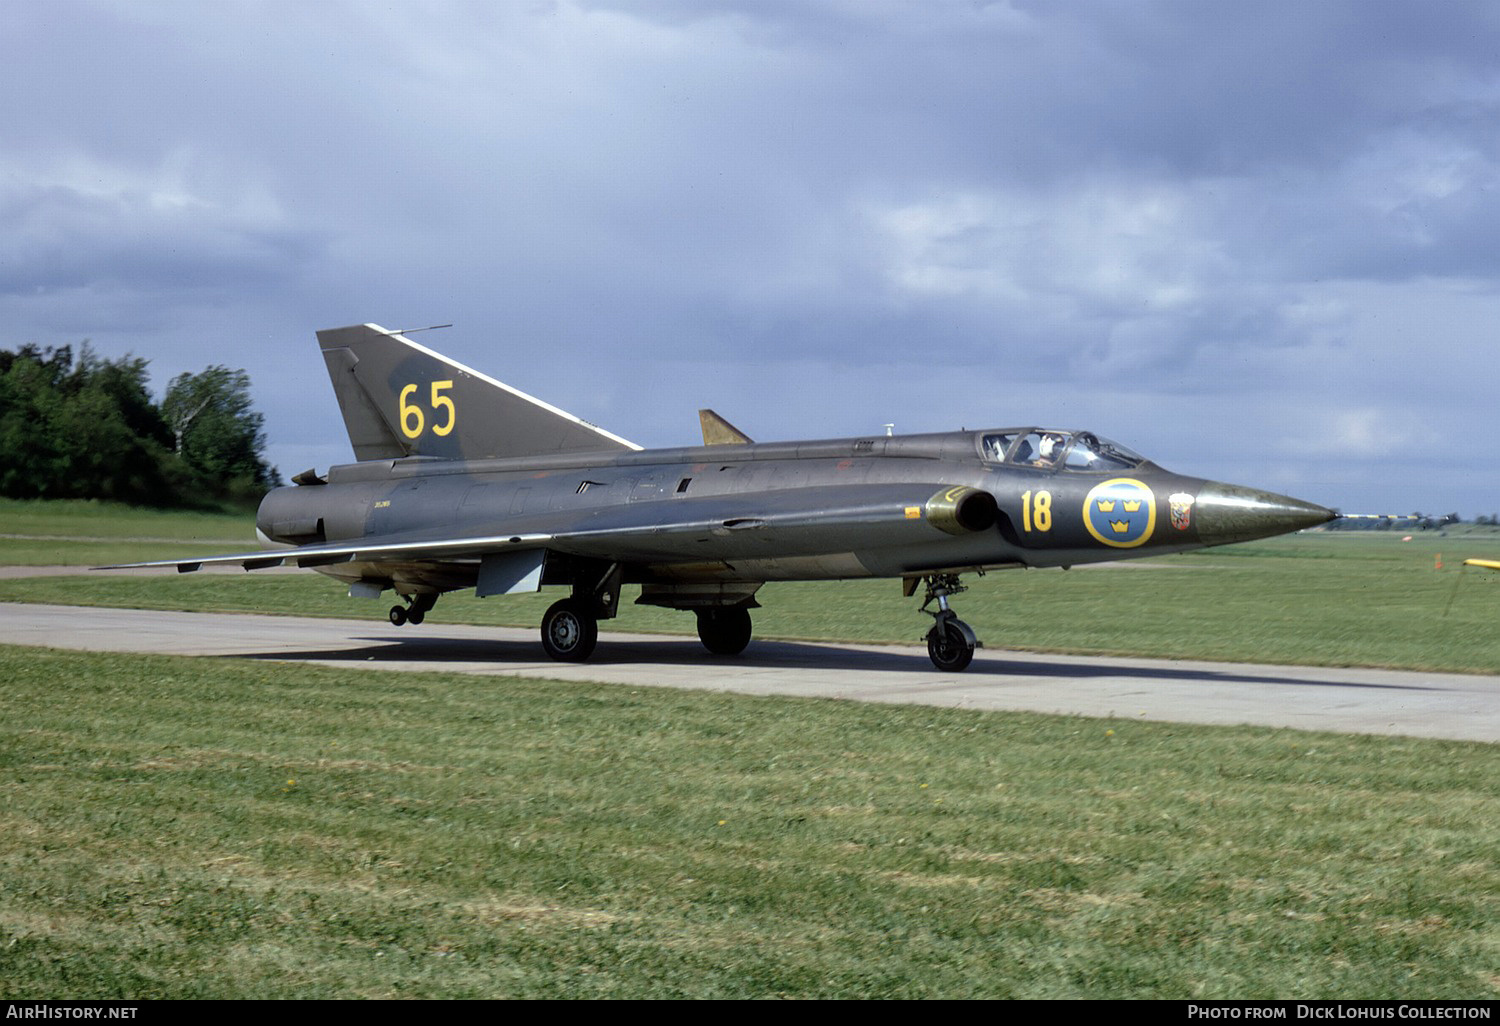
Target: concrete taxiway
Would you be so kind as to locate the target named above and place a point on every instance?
(1434, 705)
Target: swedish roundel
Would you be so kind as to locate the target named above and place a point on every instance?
(1121, 513)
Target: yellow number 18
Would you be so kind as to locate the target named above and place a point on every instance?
(1036, 515)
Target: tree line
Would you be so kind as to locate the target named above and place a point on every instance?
(83, 427)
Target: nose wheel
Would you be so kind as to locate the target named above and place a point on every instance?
(950, 645)
(951, 642)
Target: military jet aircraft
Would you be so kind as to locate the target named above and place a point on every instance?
(465, 482)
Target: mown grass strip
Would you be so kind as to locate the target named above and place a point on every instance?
(217, 828)
(86, 533)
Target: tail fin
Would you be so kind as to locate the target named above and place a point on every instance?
(718, 431)
(402, 399)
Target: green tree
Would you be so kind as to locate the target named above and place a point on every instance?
(87, 428)
(115, 435)
(78, 429)
(30, 394)
(215, 429)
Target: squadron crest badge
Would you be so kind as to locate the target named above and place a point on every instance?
(1180, 505)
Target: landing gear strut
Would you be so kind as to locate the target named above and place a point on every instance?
(414, 612)
(951, 642)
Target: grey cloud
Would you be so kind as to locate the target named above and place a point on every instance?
(1166, 216)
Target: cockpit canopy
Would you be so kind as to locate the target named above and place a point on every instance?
(1079, 451)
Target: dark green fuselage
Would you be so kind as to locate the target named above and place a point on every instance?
(845, 508)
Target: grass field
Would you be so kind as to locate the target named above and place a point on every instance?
(79, 533)
(179, 828)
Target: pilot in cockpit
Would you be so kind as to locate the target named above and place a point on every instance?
(1049, 450)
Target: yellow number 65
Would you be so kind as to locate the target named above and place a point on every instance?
(413, 421)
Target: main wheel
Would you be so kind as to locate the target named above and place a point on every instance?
(569, 632)
(724, 631)
(948, 647)
(398, 615)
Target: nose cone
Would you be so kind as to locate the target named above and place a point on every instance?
(1228, 513)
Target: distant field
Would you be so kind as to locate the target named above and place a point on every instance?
(1342, 598)
(195, 828)
(39, 533)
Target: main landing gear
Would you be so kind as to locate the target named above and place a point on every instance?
(570, 630)
(724, 630)
(570, 627)
(414, 612)
(951, 642)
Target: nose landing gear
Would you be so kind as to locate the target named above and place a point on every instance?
(951, 642)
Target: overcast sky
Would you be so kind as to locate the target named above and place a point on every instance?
(1256, 242)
